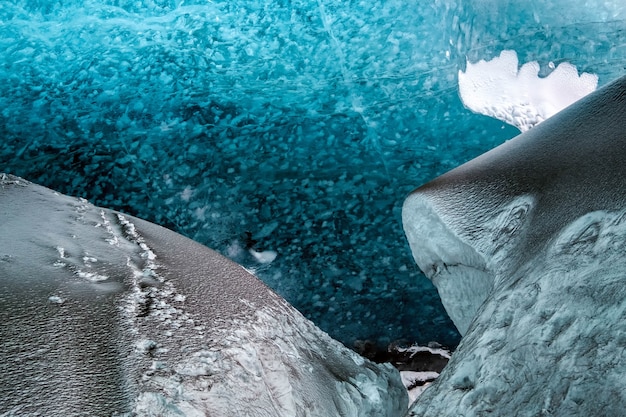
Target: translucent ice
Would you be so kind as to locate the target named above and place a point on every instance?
(296, 127)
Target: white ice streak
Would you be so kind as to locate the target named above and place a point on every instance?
(59, 263)
(113, 239)
(417, 349)
(521, 98)
(61, 251)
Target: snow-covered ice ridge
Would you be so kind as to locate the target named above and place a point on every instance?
(526, 247)
(106, 314)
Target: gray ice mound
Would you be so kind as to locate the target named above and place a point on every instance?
(525, 245)
(106, 314)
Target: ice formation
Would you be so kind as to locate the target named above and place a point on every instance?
(519, 97)
(107, 314)
(526, 244)
(287, 127)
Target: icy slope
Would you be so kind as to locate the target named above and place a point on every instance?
(525, 245)
(105, 314)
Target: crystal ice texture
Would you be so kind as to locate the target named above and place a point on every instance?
(287, 127)
(526, 247)
(518, 96)
(139, 320)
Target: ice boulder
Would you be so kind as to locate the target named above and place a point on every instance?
(107, 314)
(525, 245)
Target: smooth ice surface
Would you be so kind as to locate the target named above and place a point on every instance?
(527, 242)
(106, 314)
(518, 96)
(290, 127)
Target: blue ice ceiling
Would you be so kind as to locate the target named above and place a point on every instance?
(296, 127)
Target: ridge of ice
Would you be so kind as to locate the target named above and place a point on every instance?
(547, 213)
(519, 97)
(256, 363)
(549, 338)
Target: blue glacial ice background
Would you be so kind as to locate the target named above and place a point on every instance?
(290, 126)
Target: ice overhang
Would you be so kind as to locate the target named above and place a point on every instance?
(458, 271)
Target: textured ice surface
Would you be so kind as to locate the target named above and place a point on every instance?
(526, 245)
(517, 96)
(295, 127)
(106, 314)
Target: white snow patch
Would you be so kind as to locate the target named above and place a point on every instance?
(416, 349)
(61, 251)
(88, 260)
(264, 257)
(145, 345)
(55, 299)
(91, 276)
(234, 250)
(521, 98)
(417, 382)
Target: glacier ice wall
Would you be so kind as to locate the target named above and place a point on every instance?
(294, 127)
(525, 245)
(107, 314)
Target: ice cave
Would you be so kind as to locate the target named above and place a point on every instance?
(286, 136)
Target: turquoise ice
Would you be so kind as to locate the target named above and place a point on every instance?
(287, 127)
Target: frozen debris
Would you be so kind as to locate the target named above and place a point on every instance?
(55, 299)
(61, 252)
(91, 276)
(145, 346)
(519, 97)
(8, 179)
(416, 350)
(417, 382)
(264, 257)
